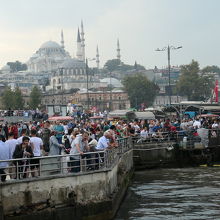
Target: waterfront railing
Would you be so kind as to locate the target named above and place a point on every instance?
(23, 168)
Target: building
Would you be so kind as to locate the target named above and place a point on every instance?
(102, 100)
(73, 74)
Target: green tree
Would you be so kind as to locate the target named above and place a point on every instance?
(116, 64)
(17, 66)
(140, 89)
(8, 98)
(18, 99)
(197, 87)
(35, 97)
(211, 69)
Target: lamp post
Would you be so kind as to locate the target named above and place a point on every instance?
(168, 48)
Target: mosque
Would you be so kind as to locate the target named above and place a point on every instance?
(52, 61)
(52, 55)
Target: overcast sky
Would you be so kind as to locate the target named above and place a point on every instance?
(141, 26)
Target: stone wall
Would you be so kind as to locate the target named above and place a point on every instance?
(150, 155)
(94, 195)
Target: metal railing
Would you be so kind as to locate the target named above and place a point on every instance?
(23, 168)
(209, 137)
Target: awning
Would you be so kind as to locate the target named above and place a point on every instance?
(120, 113)
(60, 118)
(145, 115)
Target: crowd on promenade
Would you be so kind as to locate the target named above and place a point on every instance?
(78, 137)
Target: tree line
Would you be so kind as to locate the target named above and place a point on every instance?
(14, 100)
(195, 83)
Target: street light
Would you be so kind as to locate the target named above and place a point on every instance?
(168, 48)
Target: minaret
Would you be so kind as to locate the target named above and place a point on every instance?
(97, 57)
(82, 42)
(62, 40)
(118, 51)
(79, 48)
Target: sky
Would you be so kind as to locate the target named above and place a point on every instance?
(140, 25)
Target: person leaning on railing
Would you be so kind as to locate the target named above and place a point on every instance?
(23, 150)
(78, 147)
(104, 143)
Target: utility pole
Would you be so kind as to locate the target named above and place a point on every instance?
(168, 48)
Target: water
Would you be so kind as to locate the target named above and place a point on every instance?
(192, 193)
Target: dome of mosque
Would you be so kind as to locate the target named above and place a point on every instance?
(50, 44)
(6, 68)
(112, 81)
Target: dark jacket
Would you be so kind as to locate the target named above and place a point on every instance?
(19, 152)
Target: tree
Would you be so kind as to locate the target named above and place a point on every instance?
(35, 97)
(116, 64)
(18, 99)
(7, 98)
(196, 87)
(140, 89)
(211, 69)
(17, 66)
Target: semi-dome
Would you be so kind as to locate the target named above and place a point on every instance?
(73, 63)
(6, 68)
(112, 81)
(50, 44)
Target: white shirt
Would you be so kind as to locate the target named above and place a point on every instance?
(11, 144)
(37, 143)
(144, 134)
(19, 140)
(82, 145)
(197, 124)
(102, 143)
(4, 154)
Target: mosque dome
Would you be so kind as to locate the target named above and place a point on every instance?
(112, 81)
(73, 63)
(6, 68)
(50, 44)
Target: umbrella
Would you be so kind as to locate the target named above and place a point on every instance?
(60, 118)
(208, 115)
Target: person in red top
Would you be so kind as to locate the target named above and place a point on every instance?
(14, 129)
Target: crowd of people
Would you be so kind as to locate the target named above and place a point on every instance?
(78, 137)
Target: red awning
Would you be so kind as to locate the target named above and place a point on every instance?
(60, 118)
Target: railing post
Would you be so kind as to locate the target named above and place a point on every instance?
(40, 167)
(17, 171)
(61, 165)
(80, 163)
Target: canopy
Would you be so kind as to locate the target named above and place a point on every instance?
(60, 118)
(145, 115)
(119, 113)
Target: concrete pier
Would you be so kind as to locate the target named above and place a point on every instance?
(93, 195)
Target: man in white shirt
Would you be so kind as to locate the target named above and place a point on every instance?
(37, 145)
(78, 147)
(197, 124)
(144, 133)
(23, 134)
(11, 142)
(4, 155)
(103, 142)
